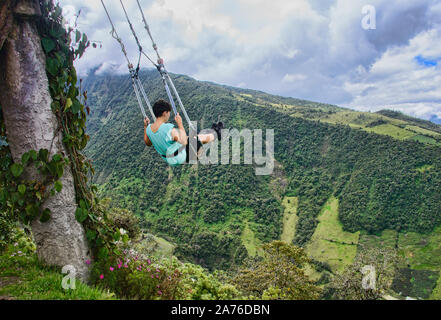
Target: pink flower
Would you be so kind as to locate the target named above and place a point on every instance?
(111, 269)
(87, 261)
(126, 266)
(159, 292)
(149, 261)
(102, 277)
(157, 270)
(148, 270)
(157, 276)
(153, 276)
(119, 266)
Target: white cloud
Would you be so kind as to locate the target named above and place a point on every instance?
(293, 77)
(399, 82)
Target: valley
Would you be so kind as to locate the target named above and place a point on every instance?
(343, 180)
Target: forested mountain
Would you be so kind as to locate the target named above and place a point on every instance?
(383, 168)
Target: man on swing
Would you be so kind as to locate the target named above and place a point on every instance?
(171, 143)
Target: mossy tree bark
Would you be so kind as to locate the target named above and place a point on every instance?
(31, 125)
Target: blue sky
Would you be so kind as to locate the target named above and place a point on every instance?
(427, 62)
(310, 49)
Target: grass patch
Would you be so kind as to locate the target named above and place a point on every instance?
(421, 251)
(290, 218)
(25, 278)
(425, 168)
(155, 246)
(425, 139)
(329, 242)
(312, 273)
(359, 119)
(436, 293)
(387, 240)
(391, 130)
(423, 131)
(419, 274)
(249, 240)
(415, 283)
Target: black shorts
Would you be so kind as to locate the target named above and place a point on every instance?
(188, 149)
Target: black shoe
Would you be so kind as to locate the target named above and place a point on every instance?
(218, 128)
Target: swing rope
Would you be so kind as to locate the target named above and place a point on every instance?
(137, 85)
(166, 79)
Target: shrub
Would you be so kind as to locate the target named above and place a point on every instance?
(125, 219)
(198, 284)
(279, 275)
(6, 227)
(137, 277)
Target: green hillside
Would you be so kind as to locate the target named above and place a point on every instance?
(381, 174)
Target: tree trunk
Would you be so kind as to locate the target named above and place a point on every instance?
(31, 125)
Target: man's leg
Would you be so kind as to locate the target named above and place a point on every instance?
(206, 138)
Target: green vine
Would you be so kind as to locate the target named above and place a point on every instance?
(23, 198)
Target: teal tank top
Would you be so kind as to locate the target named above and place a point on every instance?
(165, 145)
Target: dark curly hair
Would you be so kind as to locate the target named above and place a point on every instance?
(160, 107)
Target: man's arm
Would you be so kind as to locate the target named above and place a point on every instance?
(146, 138)
(179, 135)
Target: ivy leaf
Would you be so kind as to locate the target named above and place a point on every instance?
(45, 216)
(61, 59)
(57, 13)
(25, 158)
(43, 155)
(117, 235)
(22, 189)
(38, 195)
(17, 169)
(57, 31)
(56, 157)
(68, 104)
(52, 168)
(76, 107)
(60, 170)
(52, 66)
(3, 196)
(32, 211)
(80, 215)
(58, 185)
(91, 235)
(33, 154)
(48, 45)
(77, 36)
